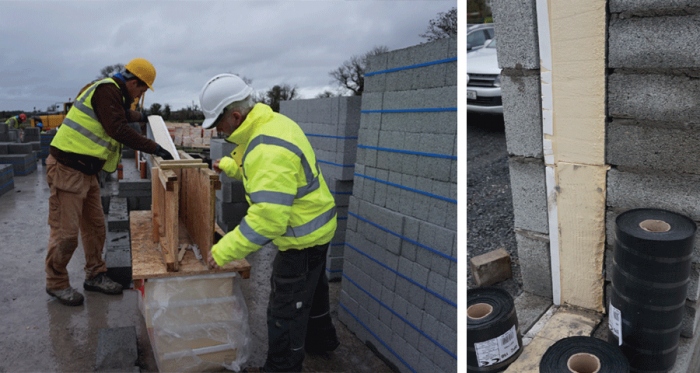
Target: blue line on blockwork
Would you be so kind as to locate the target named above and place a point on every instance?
(451, 258)
(407, 188)
(7, 171)
(338, 243)
(402, 318)
(335, 164)
(342, 218)
(451, 303)
(333, 137)
(419, 110)
(433, 155)
(334, 192)
(377, 337)
(424, 64)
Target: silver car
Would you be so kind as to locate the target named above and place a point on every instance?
(484, 80)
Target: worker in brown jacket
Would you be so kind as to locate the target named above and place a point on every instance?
(89, 140)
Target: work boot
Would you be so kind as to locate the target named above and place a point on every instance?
(319, 349)
(67, 296)
(103, 284)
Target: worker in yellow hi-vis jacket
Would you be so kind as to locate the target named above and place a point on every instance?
(290, 206)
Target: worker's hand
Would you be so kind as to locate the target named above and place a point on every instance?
(160, 152)
(211, 262)
(215, 165)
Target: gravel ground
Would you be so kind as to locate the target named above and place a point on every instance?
(489, 197)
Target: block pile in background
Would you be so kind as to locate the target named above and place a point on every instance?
(331, 125)
(186, 135)
(231, 205)
(7, 178)
(21, 155)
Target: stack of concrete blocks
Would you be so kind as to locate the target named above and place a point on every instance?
(4, 135)
(117, 250)
(31, 135)
(231, 205)
(332, 125)
(45, 144)
(137, 193)
(21, 156)
(518, 56)
(7, 176)
(652, 138)
(399, 289)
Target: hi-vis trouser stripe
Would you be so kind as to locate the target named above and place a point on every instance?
(251, 235)
(80, 105)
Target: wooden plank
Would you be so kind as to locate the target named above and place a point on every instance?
(156, 203)
(161, 135)
(171, 222)
(147, 260)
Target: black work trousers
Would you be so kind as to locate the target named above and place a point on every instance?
(298, 313)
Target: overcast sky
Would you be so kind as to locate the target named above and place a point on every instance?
(50, 49)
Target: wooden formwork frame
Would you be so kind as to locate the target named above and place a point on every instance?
(183, 205)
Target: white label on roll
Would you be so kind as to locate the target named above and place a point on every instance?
(615, 323)
(497, 349)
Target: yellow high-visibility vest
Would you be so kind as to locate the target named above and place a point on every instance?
(82, 133)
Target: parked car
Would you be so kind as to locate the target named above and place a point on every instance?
(478, 35)
(484, 80)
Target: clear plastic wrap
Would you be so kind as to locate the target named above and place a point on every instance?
(197, 323)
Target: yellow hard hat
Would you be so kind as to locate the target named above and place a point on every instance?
(143, 70)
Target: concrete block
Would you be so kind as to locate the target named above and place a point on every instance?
(19, 148)
(116, 349)
(440, 97)
(118, 217)
(118, 261)
(647, 42)
(232, 190)
(349, 115)
(376, 83)
(491, 267)
(694, 285)
(535, 265)
(516, 29)
(665, 190)
(644, 145)
(522, 112)
(3, 147)
(653, 97)
(527, 178)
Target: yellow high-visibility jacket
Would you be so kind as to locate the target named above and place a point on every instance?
(290, 203)
(82, 133)
(13, 122)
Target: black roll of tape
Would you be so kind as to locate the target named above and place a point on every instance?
(583, 355)
(493, 335)
(650, 276)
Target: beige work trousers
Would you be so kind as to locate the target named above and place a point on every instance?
(75, 207)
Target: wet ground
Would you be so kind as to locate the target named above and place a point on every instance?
(41, 335)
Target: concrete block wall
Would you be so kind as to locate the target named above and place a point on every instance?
(7, 178)
(652, 140)
(332, 125)
(399, 284)
(518, 57)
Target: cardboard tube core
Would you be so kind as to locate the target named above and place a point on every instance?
(583, 363)
(655, 226)
(479, 311)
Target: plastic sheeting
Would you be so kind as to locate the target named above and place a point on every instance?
(197, 323)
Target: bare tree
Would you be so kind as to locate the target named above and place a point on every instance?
(443, 26)
(276, 94)
(107, 71)
(351, 74)
(326, 94)
(155, 109)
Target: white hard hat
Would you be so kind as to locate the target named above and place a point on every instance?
(219, 92)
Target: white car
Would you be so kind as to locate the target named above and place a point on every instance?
(484, 80)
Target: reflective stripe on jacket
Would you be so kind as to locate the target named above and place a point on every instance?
(290, 203)
(82, 133)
